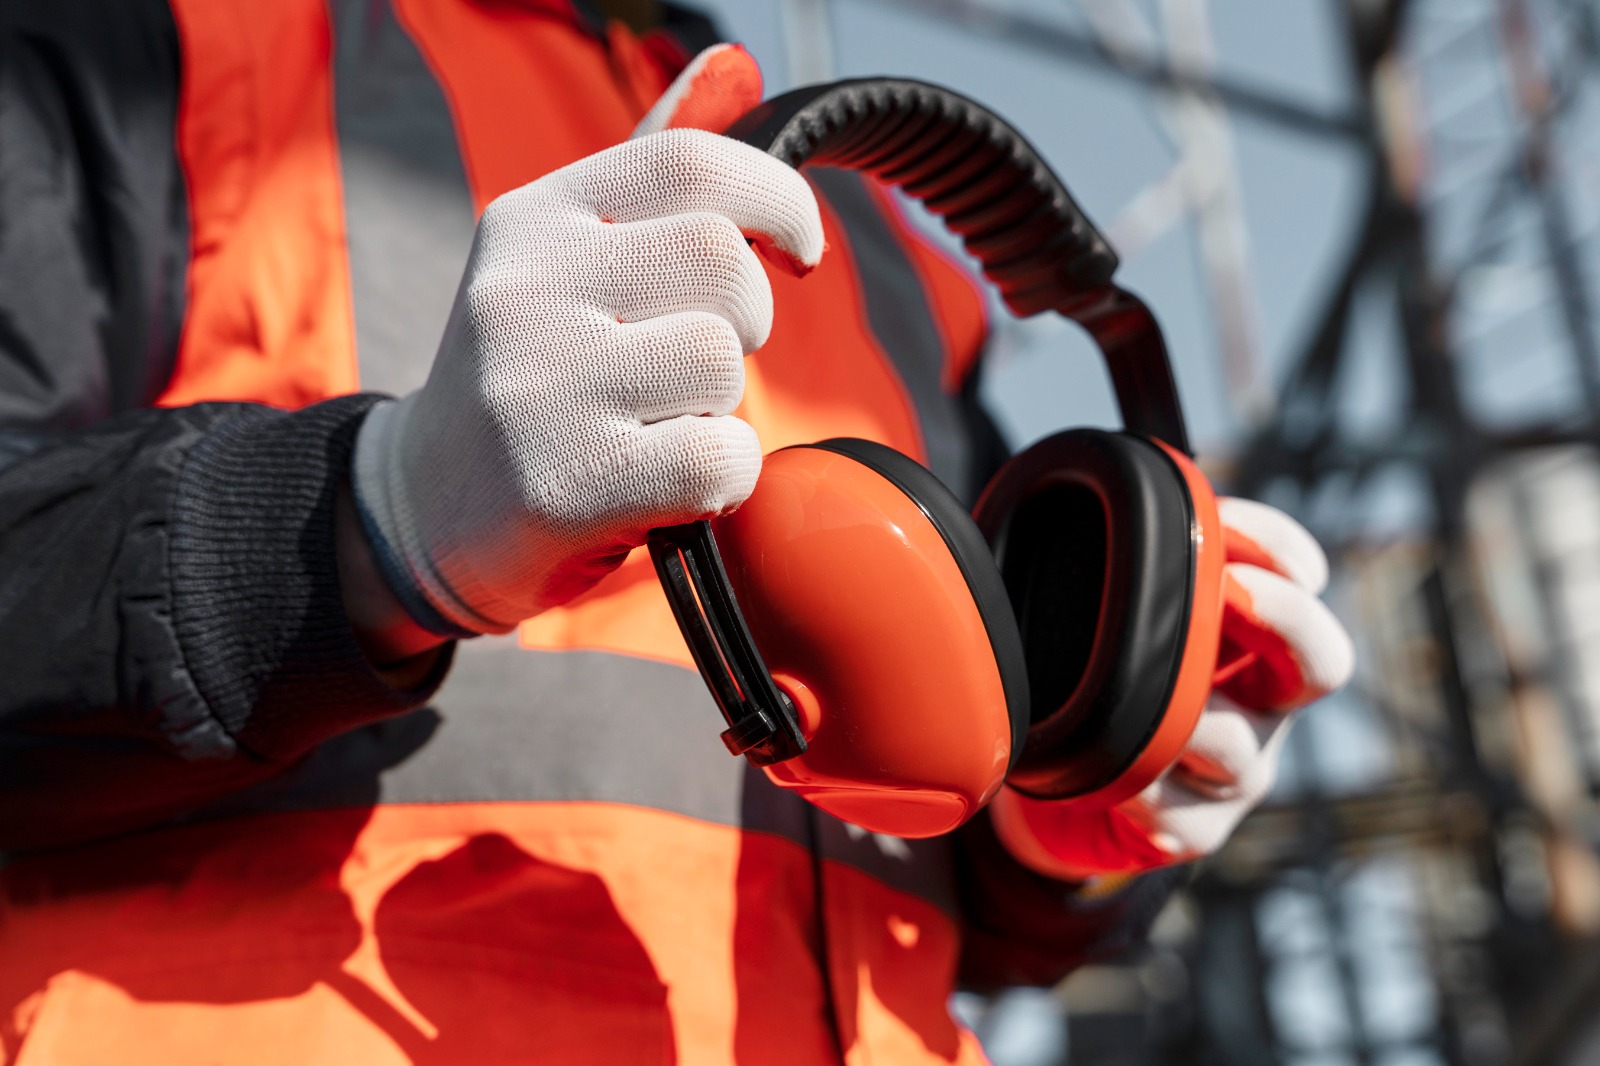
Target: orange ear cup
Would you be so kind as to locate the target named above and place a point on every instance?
(871, 624)
(1111, 550)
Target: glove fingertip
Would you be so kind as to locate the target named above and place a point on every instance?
(738, 450)
(1330, 663)
(727, 85)
(717, 87)
(1264, 536)
(790, 263)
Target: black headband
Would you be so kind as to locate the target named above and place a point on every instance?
(992, 189)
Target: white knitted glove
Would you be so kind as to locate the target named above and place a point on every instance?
(582, 392)
(1281, 649)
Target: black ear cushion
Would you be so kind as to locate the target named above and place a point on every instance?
(971, 554)
(1092, 533)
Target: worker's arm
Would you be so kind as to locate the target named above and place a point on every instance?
(172, 625)
(171, 615)
(1022, 927)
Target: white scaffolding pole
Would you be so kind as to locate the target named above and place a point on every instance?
(1203, 183)
(808, 37)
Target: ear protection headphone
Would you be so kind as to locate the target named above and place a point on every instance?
(893, 659)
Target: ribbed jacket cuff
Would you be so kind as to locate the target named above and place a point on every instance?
(255, 583)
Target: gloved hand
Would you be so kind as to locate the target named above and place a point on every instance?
(582, 392)
(1281, 649)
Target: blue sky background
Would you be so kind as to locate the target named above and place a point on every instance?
(1101, 135)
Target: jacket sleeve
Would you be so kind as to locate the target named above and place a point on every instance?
(93, 211)
(1022, 928)
(171, 627)
(170, 615)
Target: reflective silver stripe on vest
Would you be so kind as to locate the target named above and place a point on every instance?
(901, 317)
(408, 208)
(575, 725)
(517, 725)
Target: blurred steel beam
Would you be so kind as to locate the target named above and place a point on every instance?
(808, 39)
(1404, 813)
(1537, 99)
(1052, 39)
(1203, 185)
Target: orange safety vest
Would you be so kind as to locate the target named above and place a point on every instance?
(559, 863)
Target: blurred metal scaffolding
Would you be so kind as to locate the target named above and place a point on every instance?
(1475, 629)
(1442, 905)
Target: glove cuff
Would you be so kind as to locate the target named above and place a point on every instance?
(390, 523)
